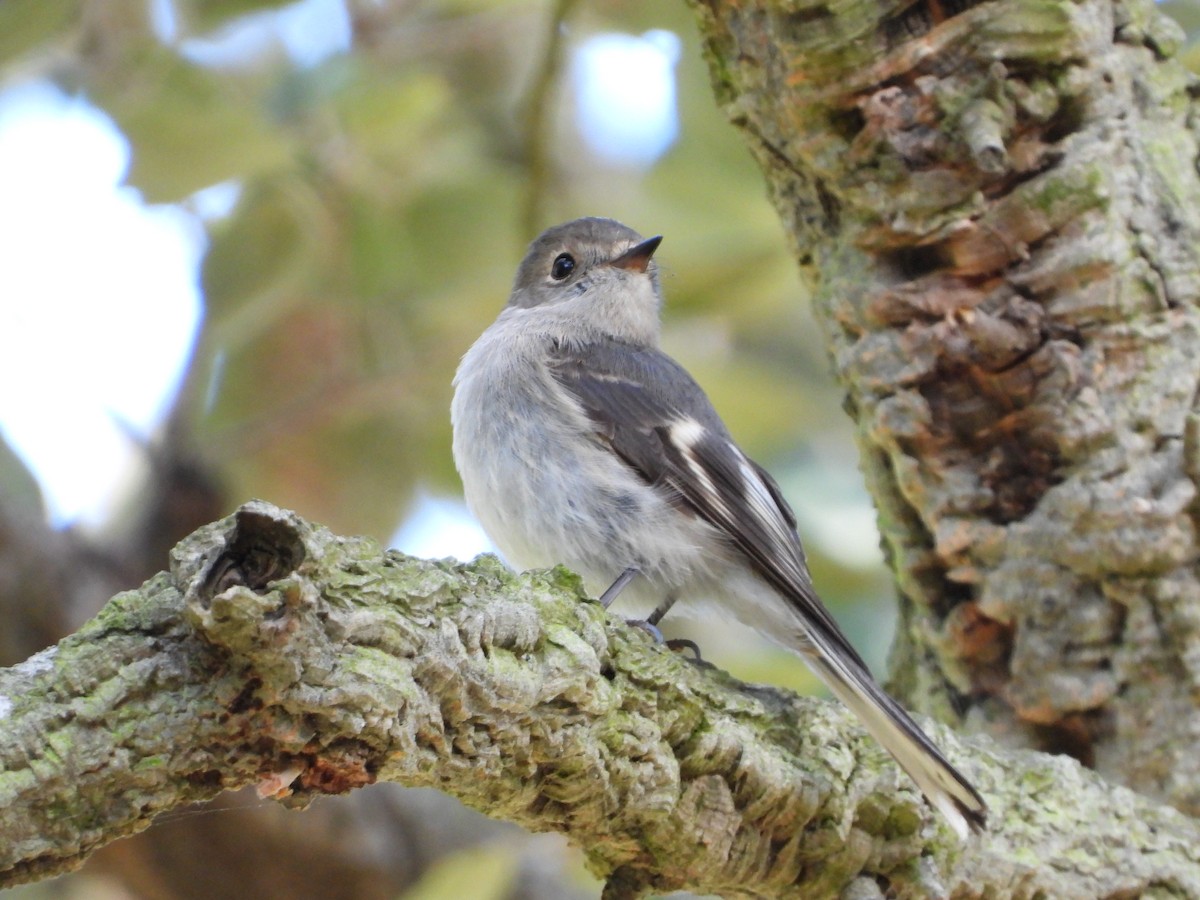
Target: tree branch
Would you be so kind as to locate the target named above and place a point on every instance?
(275, 653)
(538, 121)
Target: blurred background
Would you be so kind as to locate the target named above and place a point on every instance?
(243, 246)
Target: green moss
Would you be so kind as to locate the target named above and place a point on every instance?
(129, 611)
(1063, 194)
(1038, 31)
(15, 783)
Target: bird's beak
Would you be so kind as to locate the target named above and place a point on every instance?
(637, 257)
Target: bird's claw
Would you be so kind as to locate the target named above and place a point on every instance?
(649, 627)
(675, 644)
(681, 644)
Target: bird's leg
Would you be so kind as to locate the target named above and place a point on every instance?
(650, 626)
(662, 609)
(675, 643)
(650, 623)
(607, 598)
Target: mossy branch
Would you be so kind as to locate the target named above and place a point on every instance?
(278, 654)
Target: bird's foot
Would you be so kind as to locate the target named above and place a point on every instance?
(676, 644)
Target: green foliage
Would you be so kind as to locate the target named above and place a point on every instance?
(484, 873)
(28, 25)
(190, 127)
(377, 229)
(21, 492)
(203, 15)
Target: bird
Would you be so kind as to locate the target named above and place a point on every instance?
(580, 442)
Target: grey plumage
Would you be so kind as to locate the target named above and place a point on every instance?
(580, 442)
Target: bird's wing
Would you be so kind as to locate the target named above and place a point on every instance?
(653, 416)
(650, 412)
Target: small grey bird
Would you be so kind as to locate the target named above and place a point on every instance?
(580, 442)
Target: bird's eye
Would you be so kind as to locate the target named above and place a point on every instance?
(563, 266)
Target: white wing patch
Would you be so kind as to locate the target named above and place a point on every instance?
(686, 434)
(760, 499)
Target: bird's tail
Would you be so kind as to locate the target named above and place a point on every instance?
(888, 723)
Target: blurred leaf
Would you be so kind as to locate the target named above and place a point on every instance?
(25, 24)
(20, 494)
(481, 873)
(389, 113)
(1186, 13)
(189, 127)
(379, 247)
(471, 6)
(269, 245)
(1190, 55)
(751, 661)
(205, 15)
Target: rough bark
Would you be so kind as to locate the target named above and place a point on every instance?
(1000, 207)
(277, 654)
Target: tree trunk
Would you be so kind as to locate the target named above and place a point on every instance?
(1000, 207)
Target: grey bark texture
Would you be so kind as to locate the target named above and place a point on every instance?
(277, 654)
(1000, 208)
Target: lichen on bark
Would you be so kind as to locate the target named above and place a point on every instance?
(277, 654)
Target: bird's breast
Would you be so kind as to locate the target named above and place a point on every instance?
(544, 486)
